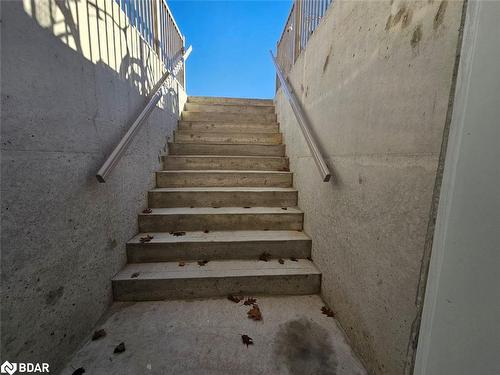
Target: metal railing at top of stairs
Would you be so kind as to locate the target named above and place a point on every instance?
(157, 92)
(303, 123)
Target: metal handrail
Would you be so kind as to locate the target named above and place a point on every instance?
(158, 91)
(303, 123)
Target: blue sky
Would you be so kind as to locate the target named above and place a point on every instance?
(231, 42)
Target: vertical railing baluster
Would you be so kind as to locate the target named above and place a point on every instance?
(302, 21)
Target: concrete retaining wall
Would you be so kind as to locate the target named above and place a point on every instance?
(375, 82)
(74, 76)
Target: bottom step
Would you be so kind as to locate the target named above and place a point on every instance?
(168, 280)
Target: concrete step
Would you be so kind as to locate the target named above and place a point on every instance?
(229, 101)
(225, 149)
(222, 197)
(165, 247)
(227, 138)
(222, 218)
(234, 108)
(210, 162)
(166, 280)
(227, 127)
(263, 118)
(229, 178)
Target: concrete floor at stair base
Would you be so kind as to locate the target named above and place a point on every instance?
(204, 337)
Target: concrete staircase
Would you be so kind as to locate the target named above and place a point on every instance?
(225, 196)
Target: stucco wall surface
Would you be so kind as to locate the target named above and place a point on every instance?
(74, 76)
(374, 81)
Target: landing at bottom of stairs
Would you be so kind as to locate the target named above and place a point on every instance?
(204, 337)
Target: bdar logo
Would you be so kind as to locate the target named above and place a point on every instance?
(8, 368)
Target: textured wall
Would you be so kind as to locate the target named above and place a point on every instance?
(72, 82)
(375, 83)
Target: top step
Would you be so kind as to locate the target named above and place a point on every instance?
(229, 101)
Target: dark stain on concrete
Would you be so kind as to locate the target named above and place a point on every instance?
(325, 64)
(406, 18)
(54, 295)
(438, 18)
(394, 20)
(388, 24)
(304, 348)
(327, 60)
(112, 243)
(416, 37)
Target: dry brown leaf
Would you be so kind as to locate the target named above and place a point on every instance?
(255, 313)
(249, 301)
(120, 348)
(327, 311)
(182, 264)
(235, 299)
(265, 256)
(281, 261)
(147, 211)
(293, 259)
(146, 238)
(202, 262)
(178, 233)
(98, 334)
(134, 275)
(247, 340)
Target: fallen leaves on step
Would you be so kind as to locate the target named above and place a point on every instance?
(215, 207)
(206, 231)
(246, 207)
(327, 311)
(254, 313)
(147, 211)
(98, 334)
(265, 256)
(309, 258)
(120, 348)
(134, 275)
(235, 299)
(281, 261)
(293, 259)
(284, 208)
(249, 301)
(79, 371)
(178, 233)
(247, 340)
(182, 264)
(202, 262)
(146, 238)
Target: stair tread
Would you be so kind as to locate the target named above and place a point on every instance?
(223, 236)
(222, 211)
(229, 100)
(243, 157)
(233, 144)
(215, 269)
(232, 171)
(223, 189)
(240, 134)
